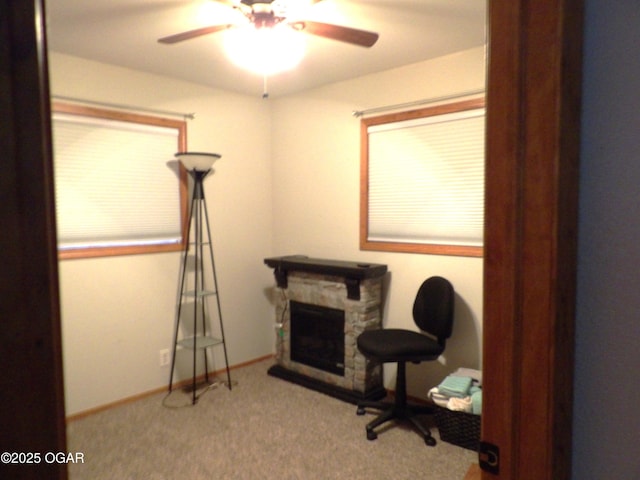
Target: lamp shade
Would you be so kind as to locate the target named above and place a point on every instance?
(197, 160)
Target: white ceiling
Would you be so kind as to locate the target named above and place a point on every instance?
(125, 33)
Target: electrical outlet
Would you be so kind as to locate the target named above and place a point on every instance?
(165, 357)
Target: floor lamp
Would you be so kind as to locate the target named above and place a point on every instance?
(199, 166)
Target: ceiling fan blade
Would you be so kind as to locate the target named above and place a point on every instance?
(337, 32)
(198, 32)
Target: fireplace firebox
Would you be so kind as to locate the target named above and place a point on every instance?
(321, 307)
(317, 336)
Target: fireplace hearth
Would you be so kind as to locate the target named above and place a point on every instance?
(321, 306)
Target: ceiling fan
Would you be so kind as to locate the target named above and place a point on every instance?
(269, 13)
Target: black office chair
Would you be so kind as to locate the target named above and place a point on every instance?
(433, 314)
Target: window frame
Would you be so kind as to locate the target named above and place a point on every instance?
(183, 184)
(407, 246)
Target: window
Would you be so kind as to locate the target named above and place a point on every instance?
(422, 180)
(119, 189)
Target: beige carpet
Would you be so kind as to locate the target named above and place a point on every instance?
(265, 428)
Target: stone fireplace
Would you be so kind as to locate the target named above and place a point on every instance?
(321, 306)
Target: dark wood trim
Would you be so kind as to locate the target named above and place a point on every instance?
(533, 106)
(32, 409)
(473, 473)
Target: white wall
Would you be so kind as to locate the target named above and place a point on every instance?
(606, 428)
(118, 312)
(288, 182)
(316, 175)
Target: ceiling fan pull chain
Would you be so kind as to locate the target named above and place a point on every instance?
(265, 90)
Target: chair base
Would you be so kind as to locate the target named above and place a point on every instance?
(391, 411)
(399, 409)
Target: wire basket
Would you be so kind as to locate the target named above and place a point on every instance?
(459, 428)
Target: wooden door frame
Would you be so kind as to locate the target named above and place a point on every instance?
(529, 282)
(533, 120)
(32, 410)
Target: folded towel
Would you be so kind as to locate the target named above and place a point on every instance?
(438, 398)
(476, 403)
(455, 386)
(474, 388)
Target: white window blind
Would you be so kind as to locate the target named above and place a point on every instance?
(426, 180)
(113, 185)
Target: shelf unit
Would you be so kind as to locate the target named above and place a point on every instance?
(199, 286)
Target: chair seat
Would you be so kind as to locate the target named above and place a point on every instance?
(398, 345)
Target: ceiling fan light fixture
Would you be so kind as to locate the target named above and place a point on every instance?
(265, 50)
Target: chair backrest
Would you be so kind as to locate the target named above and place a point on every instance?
(433, 308)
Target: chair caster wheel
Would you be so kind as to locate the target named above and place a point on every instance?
(371, 435)
(430, 441)
(360, 411)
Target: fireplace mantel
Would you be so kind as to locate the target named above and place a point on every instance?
(352, 272)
